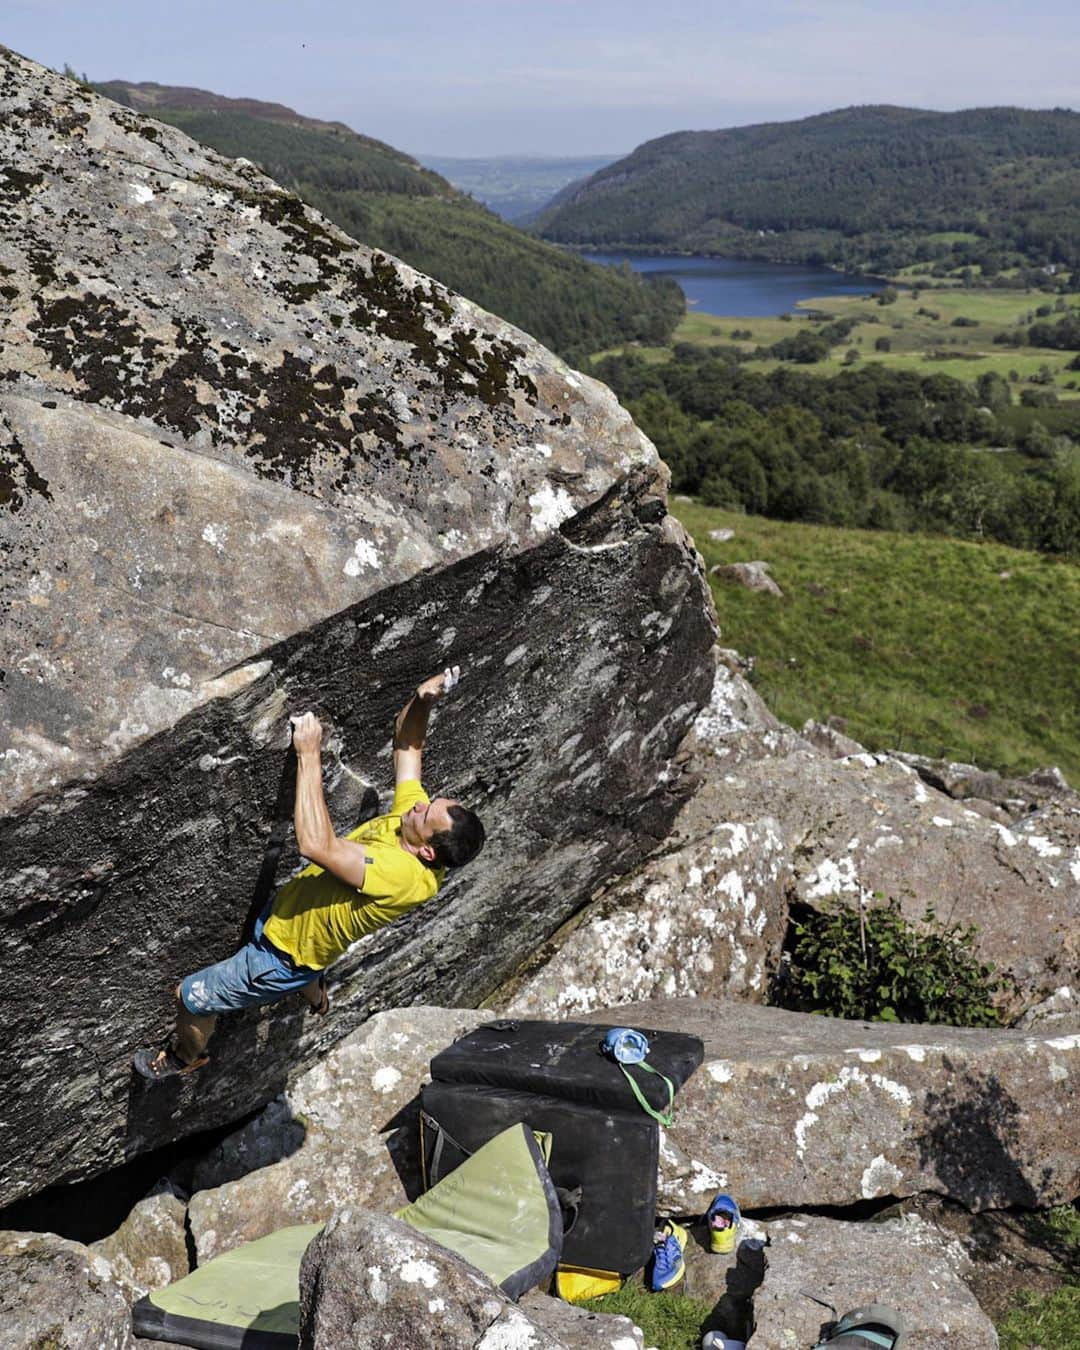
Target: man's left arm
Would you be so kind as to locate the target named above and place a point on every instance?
(315, 837)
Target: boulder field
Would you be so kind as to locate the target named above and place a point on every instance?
(248, 467)
(787, 1110)
(776, 819)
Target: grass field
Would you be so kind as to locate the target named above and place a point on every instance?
(919, 342)
(922, 643)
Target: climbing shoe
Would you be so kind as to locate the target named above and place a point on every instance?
(723, 1219)
(668, 1267)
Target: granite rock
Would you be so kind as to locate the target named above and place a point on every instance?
(789, 1109)
(343, 1135)
(149, 1249)
(370, 1280)
(60, 1295)
(904, 1263)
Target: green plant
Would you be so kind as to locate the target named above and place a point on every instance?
(870, 963)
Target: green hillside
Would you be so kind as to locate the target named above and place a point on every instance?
(968, 651)
(872, 187)
(387, 200)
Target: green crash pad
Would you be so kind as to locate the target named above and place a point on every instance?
(248, 1298)
(498, 1210)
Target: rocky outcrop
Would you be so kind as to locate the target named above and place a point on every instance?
(370, 1280)
(705, 915)
(60, 1295)
(906, 1263)
(149, 1249)
(247, 466)
(778, 819)
(343, 1135)
(789, 1109)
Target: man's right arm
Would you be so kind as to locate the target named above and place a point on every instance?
(410, 726)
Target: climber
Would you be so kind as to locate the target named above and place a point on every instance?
(356, 884)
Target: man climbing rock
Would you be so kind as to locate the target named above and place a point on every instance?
(356, 884)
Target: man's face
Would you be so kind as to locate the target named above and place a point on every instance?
(425, 820)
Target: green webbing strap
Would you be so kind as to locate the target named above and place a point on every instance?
(664, 1117)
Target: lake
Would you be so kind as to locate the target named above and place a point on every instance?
(731, 287)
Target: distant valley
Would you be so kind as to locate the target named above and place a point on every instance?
(516, 187)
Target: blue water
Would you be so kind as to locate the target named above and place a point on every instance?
(755, 289)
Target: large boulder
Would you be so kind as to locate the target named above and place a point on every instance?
(343, 1135)
(777, 820)
(373, 1281)
(59, 1295)
(247, 466)
(789, 1109)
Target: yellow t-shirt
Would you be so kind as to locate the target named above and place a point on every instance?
(316, 916)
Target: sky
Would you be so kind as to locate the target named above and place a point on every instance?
(567, 77)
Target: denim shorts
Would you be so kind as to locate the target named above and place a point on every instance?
(258, 973)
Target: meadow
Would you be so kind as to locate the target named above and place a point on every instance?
(927, 342)
(969, 651)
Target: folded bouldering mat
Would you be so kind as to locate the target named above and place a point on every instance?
(498, 1210)
(610, 1155)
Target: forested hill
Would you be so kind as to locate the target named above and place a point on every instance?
(877, 187)
(387, 200)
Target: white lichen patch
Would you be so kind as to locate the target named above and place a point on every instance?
(832, 877)
(1042, 846)
(377, 1285)
(550, 507)
(1065, 1043)
(385, 1079)
(364, 554)
(1006, 836)
(720, 1070)
(418, 1271)
(394, 634)
(942, 822)
(914, 1052)
(140, 194)
(704, 1178)
(880, 1178)
(513, 1331)
(821, 1092)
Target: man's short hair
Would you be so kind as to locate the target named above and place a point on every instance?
(462, 841)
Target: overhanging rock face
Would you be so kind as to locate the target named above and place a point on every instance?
(248, 466)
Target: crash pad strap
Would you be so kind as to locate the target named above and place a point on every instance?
(665, 1117)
